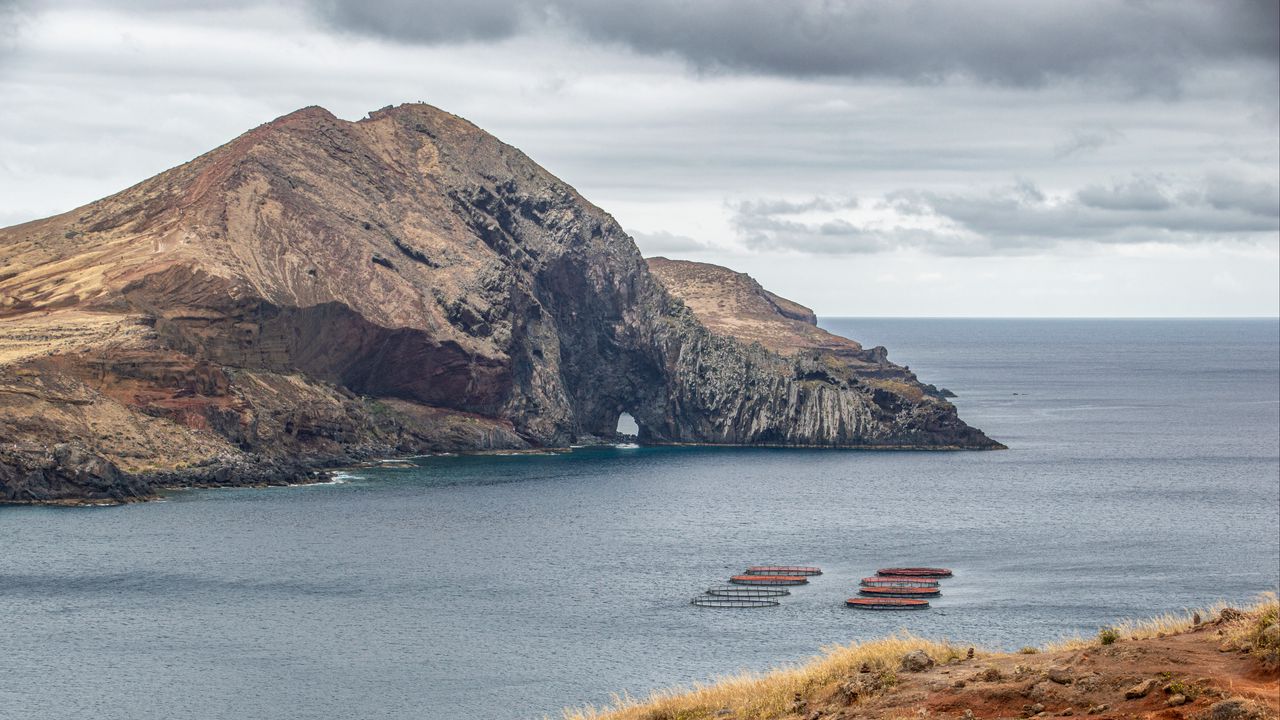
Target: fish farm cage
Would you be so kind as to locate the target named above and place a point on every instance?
(747, 591)
(793, 570)
(768, 580)
(901, 592)
(733, 602)
(887, 603)
(898, 581)
(923, 572)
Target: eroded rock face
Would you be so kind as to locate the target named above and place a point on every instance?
(34, 474)
(332, 290)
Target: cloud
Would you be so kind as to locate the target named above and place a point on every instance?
(1139, 210)
(9, 19)
(1139, 193)
(429, 21)
(1258, 198)
(761, 231)
(1021, 218)
(1150, 46)
(1082, 140)
(792, 207)
(812, 226)
(661, 241)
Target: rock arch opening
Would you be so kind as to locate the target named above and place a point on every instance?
(627, 426)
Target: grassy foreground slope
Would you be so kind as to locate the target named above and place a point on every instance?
(1218, 664)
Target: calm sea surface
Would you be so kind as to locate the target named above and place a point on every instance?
(1143, 477)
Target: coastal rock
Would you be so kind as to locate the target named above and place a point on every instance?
(1235, 709)
(333, 290)
(1062, 676)
(1270, 636)
(63, 473)
(1140, 690)
(1229, 614)
(916, 661)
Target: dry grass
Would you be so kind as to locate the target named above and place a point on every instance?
(772, 694)
(863, 670)
(1257, 630)
(1167, 624)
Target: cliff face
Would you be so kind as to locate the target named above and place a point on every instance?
(327, 289)
(785, 381)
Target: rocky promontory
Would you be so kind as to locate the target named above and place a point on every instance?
(319, 291)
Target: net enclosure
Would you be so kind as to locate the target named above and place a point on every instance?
(887, 603)
(732, 602)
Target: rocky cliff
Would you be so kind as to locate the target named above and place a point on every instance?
(319, 290)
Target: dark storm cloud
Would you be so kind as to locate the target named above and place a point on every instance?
(1149, 45)
(1022, 217)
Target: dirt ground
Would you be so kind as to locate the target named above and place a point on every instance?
(1189, 675)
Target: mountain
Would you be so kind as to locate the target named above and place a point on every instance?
(317, 291)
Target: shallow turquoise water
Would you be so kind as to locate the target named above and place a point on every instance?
(1143, 476)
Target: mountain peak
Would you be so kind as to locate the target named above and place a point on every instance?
(318, 288)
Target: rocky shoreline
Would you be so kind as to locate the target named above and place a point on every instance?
(66, 475)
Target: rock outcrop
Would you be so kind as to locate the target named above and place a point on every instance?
(318, 291)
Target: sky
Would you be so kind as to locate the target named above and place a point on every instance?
(891, 158)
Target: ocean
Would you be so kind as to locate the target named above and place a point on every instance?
(1142, 477)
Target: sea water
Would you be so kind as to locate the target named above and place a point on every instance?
(1142, 476)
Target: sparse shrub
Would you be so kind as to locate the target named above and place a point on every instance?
(1179, 687)
(1028, 650)
(1108, 636)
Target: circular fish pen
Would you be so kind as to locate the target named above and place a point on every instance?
(887, 603)
(793, 570)
(768, 580)
(898, 581)
(900, 592)
(733, 602)
(924, 572)
(743, 591)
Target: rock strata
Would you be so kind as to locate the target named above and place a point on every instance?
(335, 290)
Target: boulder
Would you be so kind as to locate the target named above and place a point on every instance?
(1140, 690)
(916, 661)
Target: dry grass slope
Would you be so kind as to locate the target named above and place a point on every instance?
(857, 674)
(773, 694)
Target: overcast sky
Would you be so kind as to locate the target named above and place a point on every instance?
(978, 158)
